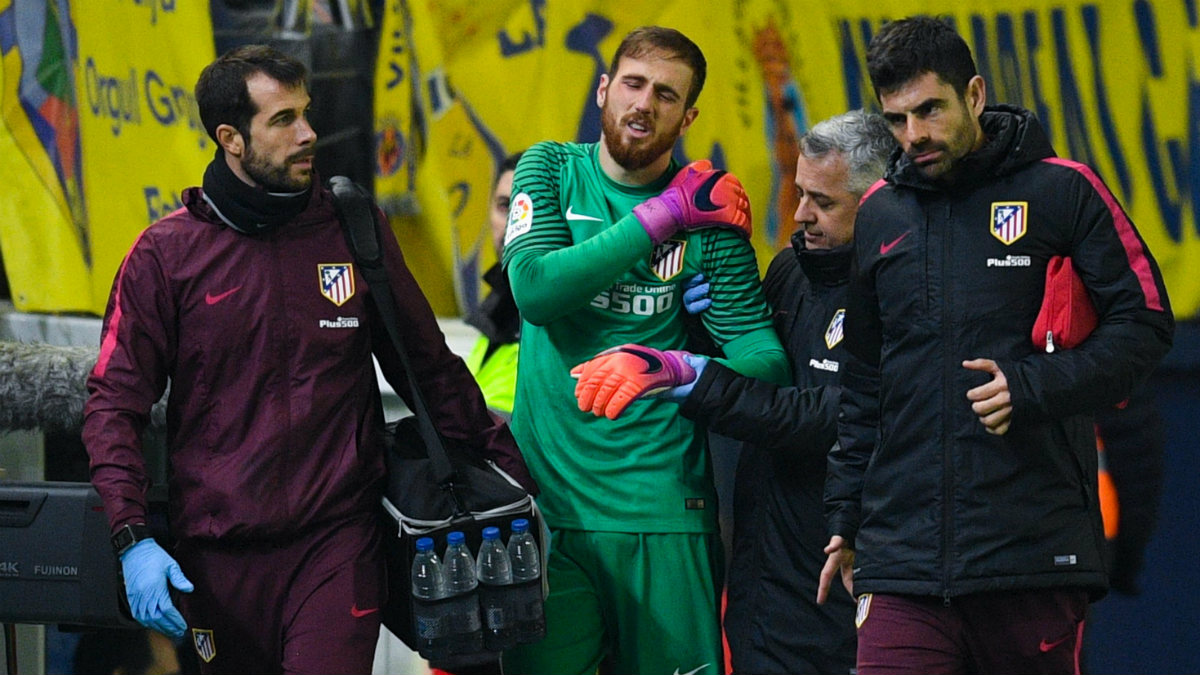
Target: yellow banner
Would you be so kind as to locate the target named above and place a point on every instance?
(1115, 82)
(43, 231)
(100, 135)
(143, 142)
(410, 102)
(89, 155)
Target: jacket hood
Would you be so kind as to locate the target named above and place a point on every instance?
(1014, 139)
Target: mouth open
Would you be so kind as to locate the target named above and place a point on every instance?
(639, 128)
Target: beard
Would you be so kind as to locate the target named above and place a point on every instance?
(954, 150)
(636, 154)
(276, 177)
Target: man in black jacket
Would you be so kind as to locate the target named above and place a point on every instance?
(772, 622)
(965, 476)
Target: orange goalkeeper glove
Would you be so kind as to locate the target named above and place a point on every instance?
(616, 377)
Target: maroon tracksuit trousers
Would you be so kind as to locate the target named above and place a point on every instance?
(310, 605)
(1032, 632)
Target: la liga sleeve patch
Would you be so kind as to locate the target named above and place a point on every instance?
(520, 217)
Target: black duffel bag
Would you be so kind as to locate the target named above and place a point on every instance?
(429, 497)
(435, 485)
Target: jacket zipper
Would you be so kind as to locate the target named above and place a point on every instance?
(947, 383)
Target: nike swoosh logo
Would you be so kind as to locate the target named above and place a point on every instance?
(1047, 646)
(691, 672)
(211, 299)
(571, 215)
(653, 365)
(360, 613)
(703, 200)
(885, 247)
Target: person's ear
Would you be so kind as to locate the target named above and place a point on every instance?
(231, 140)
(976, 95)
(602, 91)
(688, 118)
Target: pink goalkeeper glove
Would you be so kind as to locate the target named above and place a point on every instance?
(616, 377)
(697, 197)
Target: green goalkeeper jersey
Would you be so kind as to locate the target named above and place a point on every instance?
(586, 277)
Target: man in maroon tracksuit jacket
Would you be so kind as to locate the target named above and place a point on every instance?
(247, 301)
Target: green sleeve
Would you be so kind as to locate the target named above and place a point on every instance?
(551, 283)
(739, 320)
(551, 274)
(758, 354)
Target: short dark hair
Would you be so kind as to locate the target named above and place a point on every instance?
(221, 92)
(509, 164)
(641, 41)
(904, 49)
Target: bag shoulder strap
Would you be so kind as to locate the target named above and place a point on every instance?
(356, 211)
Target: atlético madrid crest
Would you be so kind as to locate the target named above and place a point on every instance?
(835, 332)
(337, 282)
(1009, 220)
(667, 258)
(864, 610)
(206, 647)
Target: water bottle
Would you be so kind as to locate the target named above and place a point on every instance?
(495, 592)
(428, 588)
(529, 621)
(465, 628)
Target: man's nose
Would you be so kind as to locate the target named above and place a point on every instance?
(645, 99)
(804, 212)
(305, 133)
(916, 132)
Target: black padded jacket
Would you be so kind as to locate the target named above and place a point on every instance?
(772, 621)
(931, 502)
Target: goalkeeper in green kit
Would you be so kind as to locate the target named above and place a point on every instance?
(600, 240)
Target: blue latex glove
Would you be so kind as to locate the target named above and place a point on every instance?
(678, 394)
(695, 295)
(147, 567)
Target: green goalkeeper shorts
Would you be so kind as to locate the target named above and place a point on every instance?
(638, 603)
